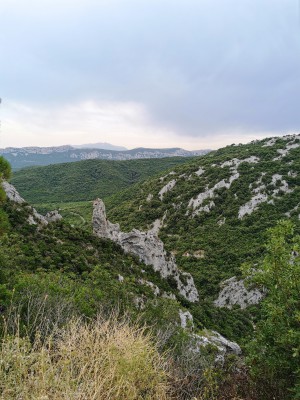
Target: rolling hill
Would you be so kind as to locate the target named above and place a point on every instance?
(86, 180)
(216, 209)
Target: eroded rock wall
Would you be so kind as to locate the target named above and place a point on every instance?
(148, 247)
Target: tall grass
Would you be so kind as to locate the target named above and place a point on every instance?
(49, 352)
(106, 359)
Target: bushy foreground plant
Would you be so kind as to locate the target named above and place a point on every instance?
(105, 359)
(274, 354)
(5, 172)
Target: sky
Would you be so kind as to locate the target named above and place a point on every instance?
(154, 73)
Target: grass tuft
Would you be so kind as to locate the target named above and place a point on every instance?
(105, 359)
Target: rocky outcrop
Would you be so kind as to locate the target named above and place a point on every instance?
(148, 247)
(34, 217)
(222, 345)
(53, 216)
(169, 186)
(155, 289)
(12, 194)
(292, 144)
(196, 203)
(234, 293)
(198, 341)
(186, 319)
(261, 194)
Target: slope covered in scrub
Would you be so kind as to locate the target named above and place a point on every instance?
(87, 179)
(216, 210)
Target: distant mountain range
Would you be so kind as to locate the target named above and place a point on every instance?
(103, 146)
(20, 157)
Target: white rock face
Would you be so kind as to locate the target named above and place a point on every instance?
(196, 203)
(261, 195)
(209, 194)
(200, 171)
(284, 185)
(148, 247)
(53, 216)
(155, 288)
(207, 208)
(221, 221)
(234, 292)
(149, 197)
(208, 337)
(186, 319)
(213, 338)
(252, 204)
(196, 254)
(157, 225)
(12, 194)
(166, 295)
(169, 186)
(270, 142)
(139, 302)
(293, 144)
(235, 162)
(293, 174)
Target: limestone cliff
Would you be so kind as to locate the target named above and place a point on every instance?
(34, 217)
(12, 194)
(147, 246)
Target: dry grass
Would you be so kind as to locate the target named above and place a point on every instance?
(106, 359)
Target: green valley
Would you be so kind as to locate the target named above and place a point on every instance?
(86, 180)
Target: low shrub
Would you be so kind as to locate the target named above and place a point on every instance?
(104, 359)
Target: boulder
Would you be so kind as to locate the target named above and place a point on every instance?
(234, 292)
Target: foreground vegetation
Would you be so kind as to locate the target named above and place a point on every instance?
(274, 351)
(106, 359)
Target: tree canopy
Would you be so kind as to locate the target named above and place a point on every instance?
(274, 354)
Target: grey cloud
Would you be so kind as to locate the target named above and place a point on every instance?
(199, 66)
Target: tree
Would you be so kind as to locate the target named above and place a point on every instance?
(274, 353)
(5, 172)
(5, 168)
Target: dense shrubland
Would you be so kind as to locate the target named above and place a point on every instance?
(86, 180)
(54, 276)
(274, 352)
(54, 281)
(225, 241)
(5, 172)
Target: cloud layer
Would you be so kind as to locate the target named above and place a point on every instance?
(132, 72)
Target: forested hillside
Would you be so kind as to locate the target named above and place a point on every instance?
(220, 203)
(215, 212)
(211, 225)
(55, 280)
(86, 180)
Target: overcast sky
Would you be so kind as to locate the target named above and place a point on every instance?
(154, 73)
